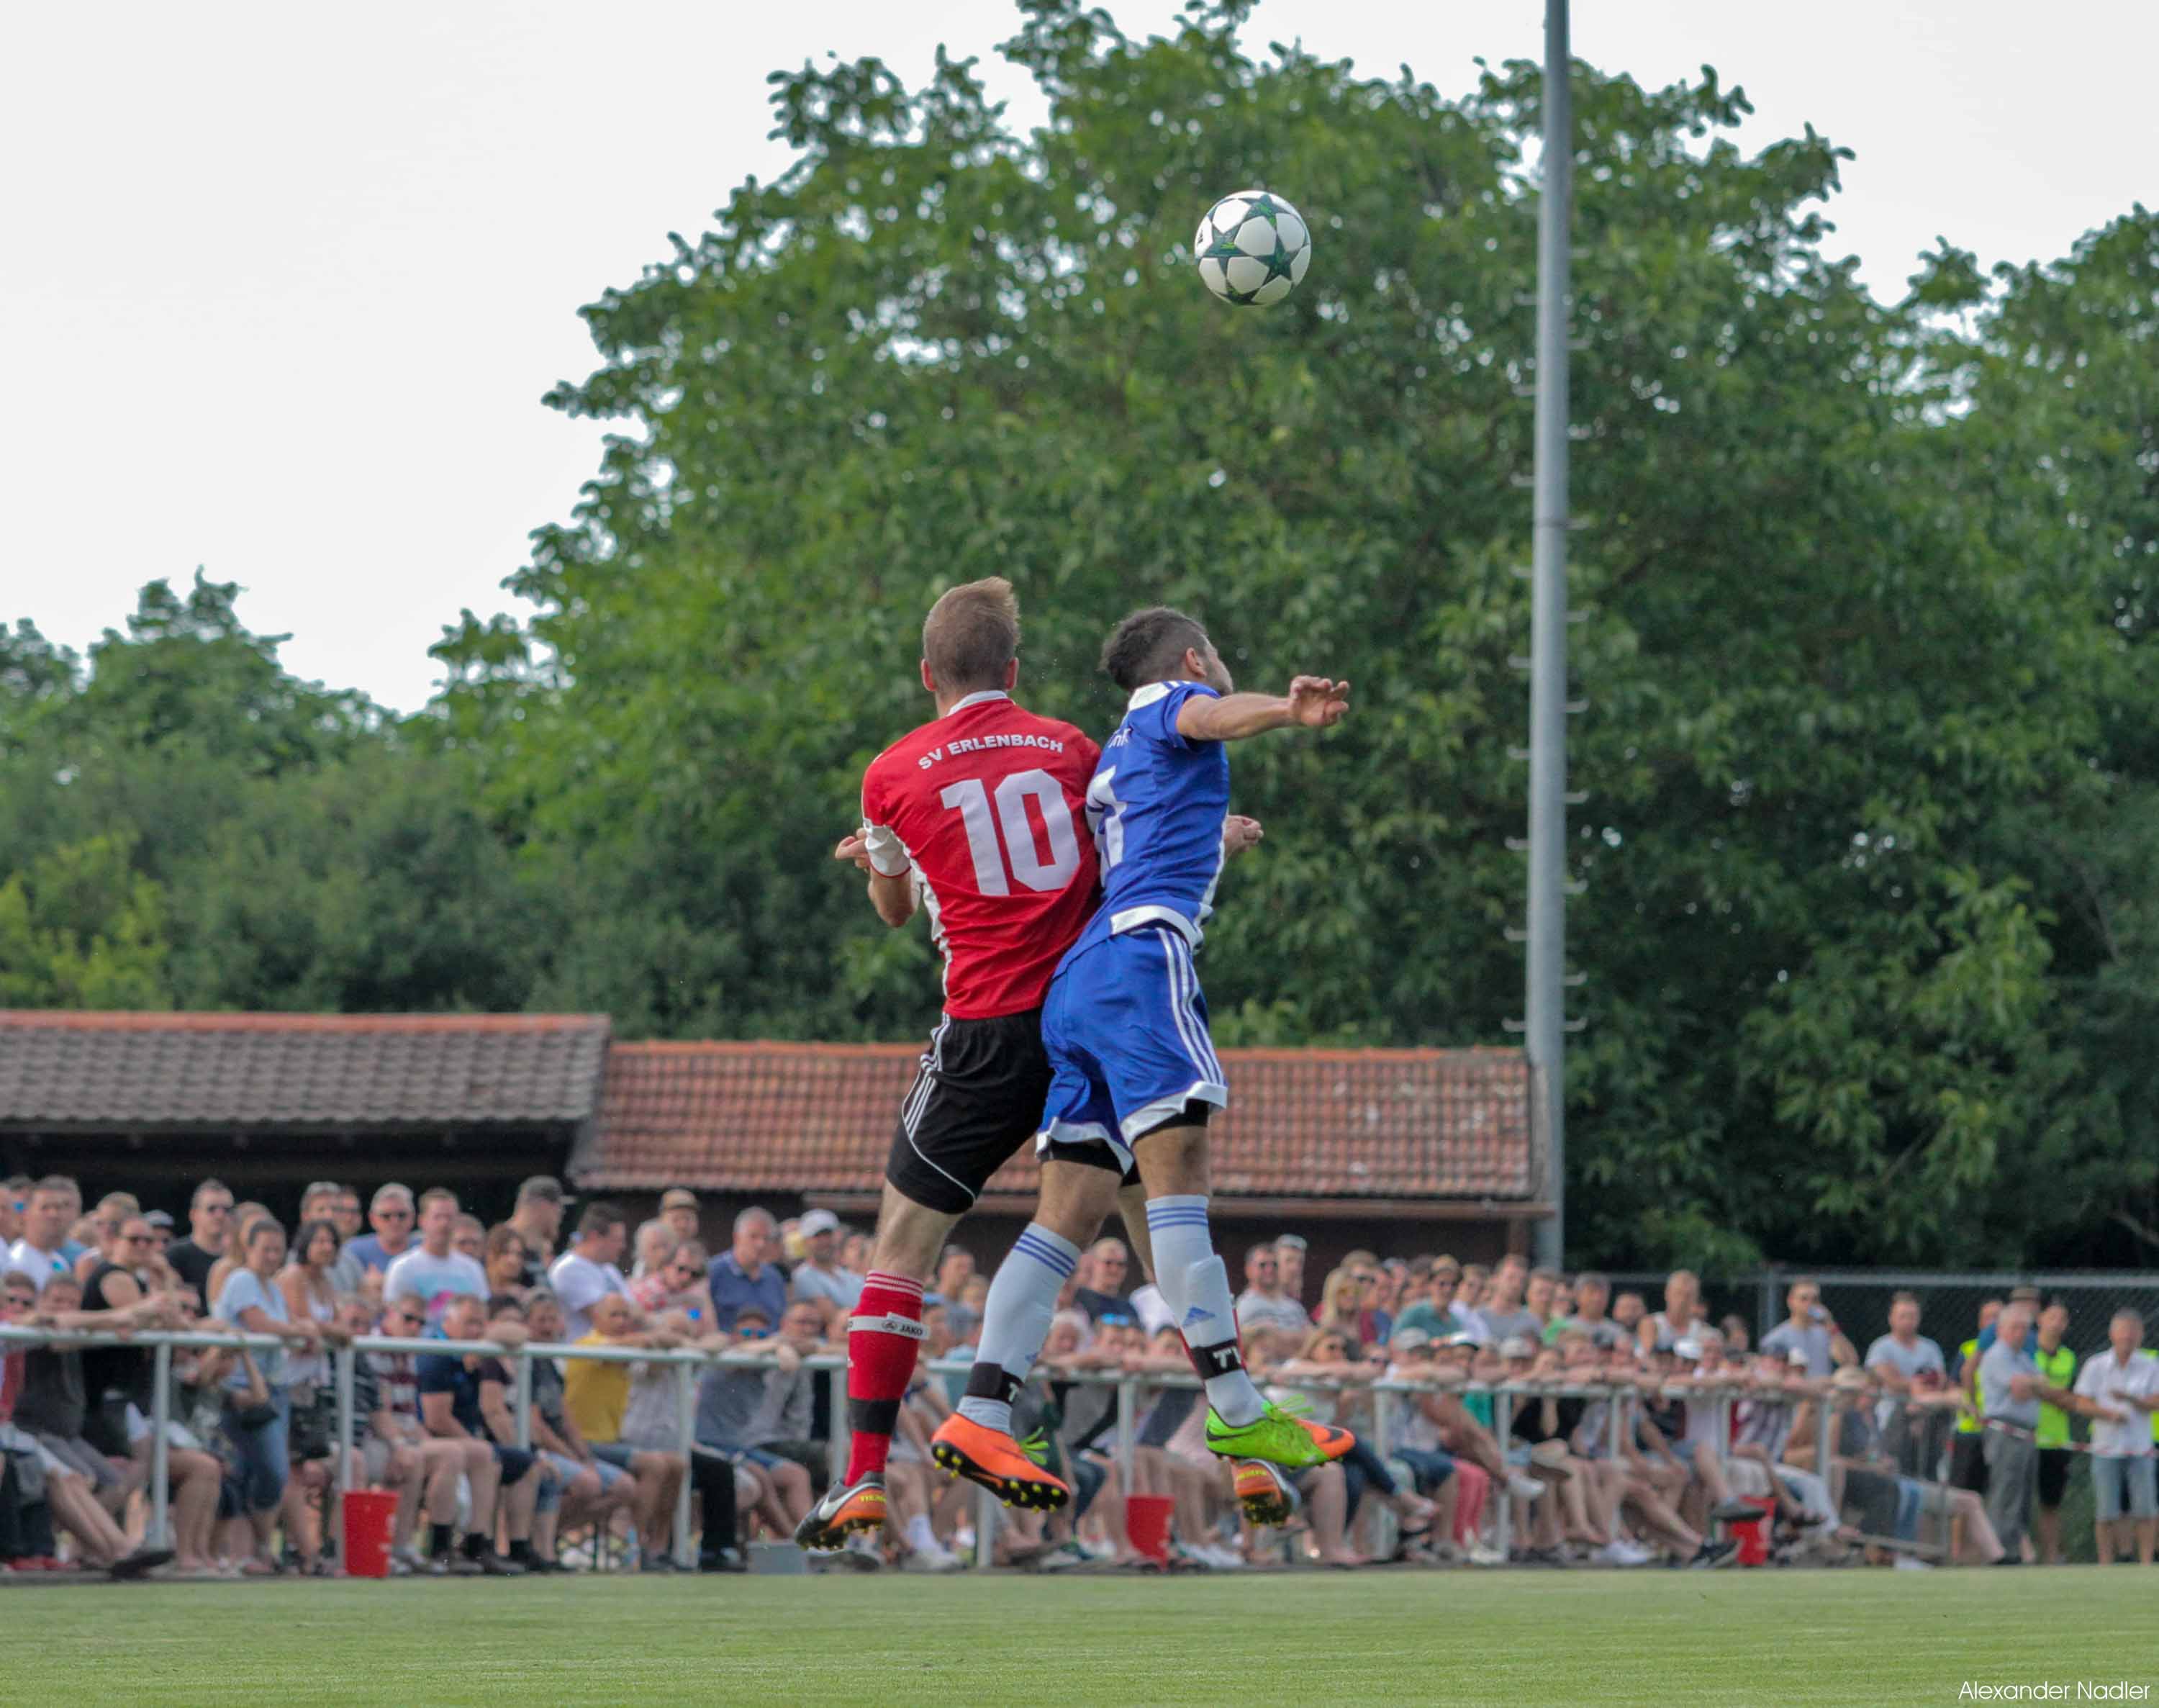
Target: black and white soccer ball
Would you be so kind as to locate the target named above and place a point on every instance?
(1252, 248)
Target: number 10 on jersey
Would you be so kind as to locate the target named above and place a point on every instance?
(1015, 852)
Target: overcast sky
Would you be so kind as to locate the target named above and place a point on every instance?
(282, 285)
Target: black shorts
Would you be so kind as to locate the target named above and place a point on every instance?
(1968, 1462)
(978, 1098)
(2054, 1464)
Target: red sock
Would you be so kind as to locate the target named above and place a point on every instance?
(882, 1338)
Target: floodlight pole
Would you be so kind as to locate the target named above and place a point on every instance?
(1545, 1016)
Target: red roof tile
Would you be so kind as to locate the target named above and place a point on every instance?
(99, 1071)
(819, 1118)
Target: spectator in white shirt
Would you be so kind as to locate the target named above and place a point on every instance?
(41, 1253)
(2121, 1385)
(1263, 1304)
(819, 1278)
(432, 1271)
(586, 1273)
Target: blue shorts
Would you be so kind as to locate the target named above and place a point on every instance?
(1124, 1025)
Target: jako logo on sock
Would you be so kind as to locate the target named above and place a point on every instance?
(1198, 1313)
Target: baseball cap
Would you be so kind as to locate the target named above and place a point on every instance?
(817, 1222)
(544, 1187)
(1797, 1357)
(1689, 1348)
(1517, 1346)
(158, 1219)
(1296, 1242)
(678, 1198)
(1408, 1340)
(1462, 1337)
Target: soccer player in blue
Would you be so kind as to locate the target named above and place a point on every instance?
(1126, 1025)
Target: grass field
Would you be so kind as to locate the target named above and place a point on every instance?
(1521, 1639)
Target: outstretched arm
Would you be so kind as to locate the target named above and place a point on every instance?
(1312, 702)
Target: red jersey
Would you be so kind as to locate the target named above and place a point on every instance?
(988, 805)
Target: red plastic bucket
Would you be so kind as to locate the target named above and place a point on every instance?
(369, 1513)
(1146, 1522)
(1752, 1534)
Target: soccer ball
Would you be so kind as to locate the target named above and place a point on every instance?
(1252, 248)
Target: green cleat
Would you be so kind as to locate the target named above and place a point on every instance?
(1278, 1437)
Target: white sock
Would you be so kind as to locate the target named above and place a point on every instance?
(1197, 1286)
(1016, 1321)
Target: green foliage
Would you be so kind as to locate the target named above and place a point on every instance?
(79, 929)
(1871, 959)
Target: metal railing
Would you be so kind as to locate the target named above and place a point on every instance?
(1387, 1394)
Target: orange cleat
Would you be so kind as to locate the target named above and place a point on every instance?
(993, 1459)
(858, 1506)
(1267, 1495)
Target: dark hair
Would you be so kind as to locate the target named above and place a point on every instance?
(305, 1238)
(972, 635)
(202, 1186)
(599, 1217)
(1148, 645)
(1903, 1296)
(504, 1302)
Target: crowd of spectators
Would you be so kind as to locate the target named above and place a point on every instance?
(1688, 1437)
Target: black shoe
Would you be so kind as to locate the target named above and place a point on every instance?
(656, 1562)
(494, 1566)
(140, 1562)
(539, 1566)
(1712, 1555)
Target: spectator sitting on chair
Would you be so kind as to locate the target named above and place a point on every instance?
(72, 1506)
(598, 1396)
(599, 1481)
(398, 1451)
(462, 1398)
(743, 1412)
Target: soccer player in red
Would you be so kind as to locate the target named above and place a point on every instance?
(978, 818)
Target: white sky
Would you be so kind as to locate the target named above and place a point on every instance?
(281, 286)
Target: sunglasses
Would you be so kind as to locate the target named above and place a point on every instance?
(137, 1239)
(395, 1215)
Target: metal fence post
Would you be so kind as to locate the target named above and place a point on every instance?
(1503, 1422)
(341, 1362)
(685, 1442)
(161, 1415)
(1127, 1403)
(523, 1399)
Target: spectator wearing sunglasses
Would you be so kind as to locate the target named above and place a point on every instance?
(1264, 1304)
(390, 1213)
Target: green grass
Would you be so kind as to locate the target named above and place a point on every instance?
(1523, 1639)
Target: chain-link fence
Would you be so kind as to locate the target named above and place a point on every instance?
(1949, 1304)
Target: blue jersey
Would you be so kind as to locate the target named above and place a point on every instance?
(1155, 806)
